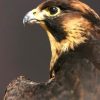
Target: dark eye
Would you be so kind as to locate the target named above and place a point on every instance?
(53, 10)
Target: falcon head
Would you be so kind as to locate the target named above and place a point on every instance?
(68, 24)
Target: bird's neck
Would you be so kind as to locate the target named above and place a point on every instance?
(58, 48)
(82, 50)
(55, 50)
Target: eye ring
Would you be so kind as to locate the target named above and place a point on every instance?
(53, 10)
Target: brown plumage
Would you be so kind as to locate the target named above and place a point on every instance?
(73, 29)
(74, 23)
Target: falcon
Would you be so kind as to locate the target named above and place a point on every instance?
(73, 29)
(70, 24)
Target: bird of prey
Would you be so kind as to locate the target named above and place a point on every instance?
(73, 29)
(70, 24)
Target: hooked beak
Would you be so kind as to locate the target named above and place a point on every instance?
(29, 18)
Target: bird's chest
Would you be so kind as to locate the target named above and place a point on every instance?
(81, 77)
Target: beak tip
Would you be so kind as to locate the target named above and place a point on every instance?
(25, 20)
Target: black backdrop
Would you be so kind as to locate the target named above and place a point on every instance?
(24, 50)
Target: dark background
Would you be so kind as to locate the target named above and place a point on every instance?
(24, 50)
